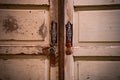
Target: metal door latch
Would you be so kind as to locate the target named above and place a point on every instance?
(53, 33)
(69, 37)
(53, 43)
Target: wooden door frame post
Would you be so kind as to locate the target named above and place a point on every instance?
(61, 42)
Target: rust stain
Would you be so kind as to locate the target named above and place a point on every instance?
(7, 78)
(6, 51)
(112, 1)
(88, 77)
(46, 50)
(21, 53)
(5, 59)
(29, 11)
(43, 30)
(32, 33)
(10, 24)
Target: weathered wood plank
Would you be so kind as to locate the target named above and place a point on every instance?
(99, 26)
(24, 24)
(95, 2)
(96, 51)
(35, 2)
(69, 70)
(54, 17)
(61, 43)
(41, 50)
(69, 11)
(32, 69)
(97, 70)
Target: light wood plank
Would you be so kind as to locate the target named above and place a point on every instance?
(99, 25)
(96, 51)
(42, 50)
(32, 69)
(95, 2)
(35, 2)
(98, 70)
(24, 25)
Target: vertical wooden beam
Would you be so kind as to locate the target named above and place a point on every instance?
(54, 17)
(69, 10)
(61, 39)
(69, 62)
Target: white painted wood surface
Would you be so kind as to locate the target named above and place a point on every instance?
(25, 30)
(24, 69)
(22, 50)
(24, 25)
(97, 70)
(95, 2)
(96, 51)
(36, 2)
(100, 25)
(69, 67)
(69, 63)
(96, 33)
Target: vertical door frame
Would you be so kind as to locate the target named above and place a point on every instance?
(61, 41)
(54, 17)
(69, 61)
(62, 12)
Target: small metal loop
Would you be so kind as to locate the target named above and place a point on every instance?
(52, 50)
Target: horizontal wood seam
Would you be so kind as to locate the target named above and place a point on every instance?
(97, 58)
(24, 6)
(21, 56)
(97, 7)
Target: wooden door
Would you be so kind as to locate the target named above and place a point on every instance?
(96, 40)
(25, 39)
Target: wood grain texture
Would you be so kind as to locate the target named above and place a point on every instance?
(35, 2)
(97, 70)
(32, 69)
(61, 40)
(95, 2)
(99, 25)
(23, 24)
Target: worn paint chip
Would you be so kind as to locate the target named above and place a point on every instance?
(43, 31)
(10, 24)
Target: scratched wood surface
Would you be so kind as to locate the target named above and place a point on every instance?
(35, 2)
(95, 2)
(97, 70)
(24, 69)
(24, 40)
(96, 33)
(96, 41)
(23, 24)
(99, 25)
(42, 50)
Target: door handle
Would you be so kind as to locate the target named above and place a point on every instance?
(53, 33)
(53, 43)
(69, 38)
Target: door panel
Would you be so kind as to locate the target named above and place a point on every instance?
(25, 69)
(24, 40)
(98, 25)
(97, 70)
(96, 41)
(24, 25)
